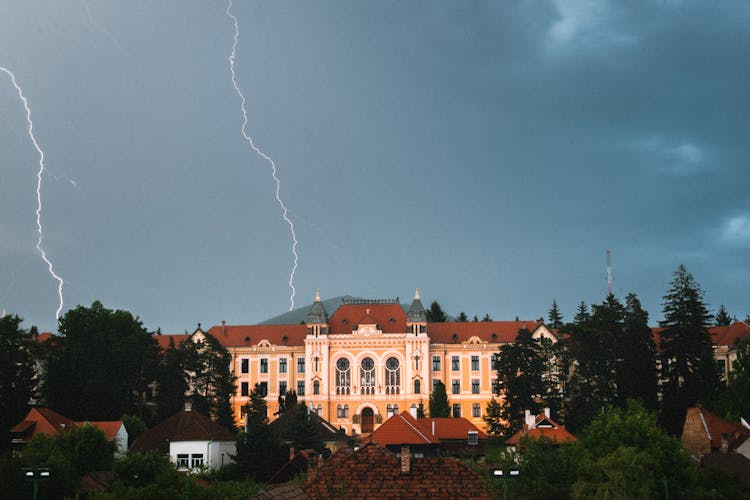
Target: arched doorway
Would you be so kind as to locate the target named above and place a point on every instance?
(368, 420)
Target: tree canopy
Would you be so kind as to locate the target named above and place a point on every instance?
(438, 405)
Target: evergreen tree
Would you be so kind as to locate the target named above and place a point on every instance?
(420, 410)
(582, 314)
(519, 378)
(739, 382)
(18, 377)
(492, 418)
(722, 317)
(171, 383)
(435, 313)
(487, 317)
(554, 316)
(439, 406)
(259, 452)
(688, 369)
(637, 377)
(303, 433)
(103, 366)
(462, 318)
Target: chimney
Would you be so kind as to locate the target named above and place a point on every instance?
(546, 412)
(528, 418)
(223, 327)
(188, 405)
(405, 459)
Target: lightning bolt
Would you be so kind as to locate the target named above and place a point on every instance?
(39, 247)
(284, 211)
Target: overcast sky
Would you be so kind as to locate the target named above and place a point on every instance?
(486, 152)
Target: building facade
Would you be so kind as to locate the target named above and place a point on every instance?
(369, 360)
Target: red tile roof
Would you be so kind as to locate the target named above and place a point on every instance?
(403, 429)
(374, 472)
(46, 421)
(182, 426)
(556, 433)
(488, 331)
(163, 340)
(720, 335)
(717, 427)
(390, 318)
(235, 336)
(452, 428)
(110, 429)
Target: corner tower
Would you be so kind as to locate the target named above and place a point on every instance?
(416, 318)
(317, 318)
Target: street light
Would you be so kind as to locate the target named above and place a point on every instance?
(504, 475)
(36, 475)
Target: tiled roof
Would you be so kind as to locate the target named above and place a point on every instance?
(163, 340)
(182, 426)
(46, 421)
(488, 331)
(452, 428)
(556, 433)
(235, 336)
(716, 427)
(390, 318)
(110, 429)
(720, 335)
(374, 472)
(403, 429)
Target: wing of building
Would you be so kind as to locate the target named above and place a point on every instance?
(369, 360)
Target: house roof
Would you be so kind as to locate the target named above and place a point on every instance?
(184, 425)
(403, 429)
(720, 335)
(247, 335)
(374, 472)
(389, 317)
(542, 428)
(110, 429)
(715, 427)
(487, 331)
(46, 421)
(732, 463)
(284, 425)
(452, 428)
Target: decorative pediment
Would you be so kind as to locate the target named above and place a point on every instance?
(474, 340)
(264, 343)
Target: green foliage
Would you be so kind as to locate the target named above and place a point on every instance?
(18, 377)
(547, 470)
(722, 317)
(636, 375)
(420, 410)
(462, 317)
(103, 365)
(688, 367)
(138, 470)
(135, 427)
(735, 401)
(435, 313)
(492, 418)
(172, 384)
(438, 405)
(303, 433)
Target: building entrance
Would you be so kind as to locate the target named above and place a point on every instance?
(368, 420)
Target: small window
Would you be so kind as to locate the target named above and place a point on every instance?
(455, 363)
(417, 387)
(316, 387)
(183, 460)
(263, 365)
(473, 437)
(476, 410)
(456, 410)
(436, 363)
(245, 365)
(196, 460)
(300, 365)
(300, 388)
(475, 386)
(456, 386)
(263, 389)
(495, 361)
(282, 387)
(346, 411)
(475, 363)
(244, 389)
(282, 365)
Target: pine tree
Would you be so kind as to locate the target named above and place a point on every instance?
(637, 377)
(492, 418)
(554, 317)
(171, 383)
(582, 314)
(439, 406)
(259, 452)
(435, 313)
(688, 368)
(722, 317)
(462, 317)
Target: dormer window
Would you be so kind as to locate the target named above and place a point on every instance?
(473, 438)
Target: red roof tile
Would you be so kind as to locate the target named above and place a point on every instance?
(403, 429)
(163, 340)
(182, 426)
(452, 428)
(556, 433)
(247, 335)
(488, 331)
(46, 421)
(720, 335)
(717, 427)
(390, 318)
(110, 429)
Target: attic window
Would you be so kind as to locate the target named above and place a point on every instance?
(247, 339)
(473, 438)
(454, 337)
(392, 320)
(494, 336)
(284, 339)
(345, 321)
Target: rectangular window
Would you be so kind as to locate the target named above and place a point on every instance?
(475, 363)
(244, 389)
(300, 365)
(183, 460)
(456, 410)
(282, 365)
(473, 437)
(456, 387)
(196, 460)
(455, 365)
(245, 365)
(436, 363)
(263, 389)
(282, 387)
(475, 386)
(495, 361)
(476, 410)
(721, 367)
(300, 388)
(263, 365)
(435, 382)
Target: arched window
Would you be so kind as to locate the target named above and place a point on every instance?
(343, 376)
(392, 376)
(395, 409)
(389, 411)
(413, 410)
(316, 387)
(339, 411)
(367, 376)
(346, 411)
(417, 386)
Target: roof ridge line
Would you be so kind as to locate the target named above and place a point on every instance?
(417, 430)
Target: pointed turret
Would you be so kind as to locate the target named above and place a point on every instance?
(317, 317)
(416, 318)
